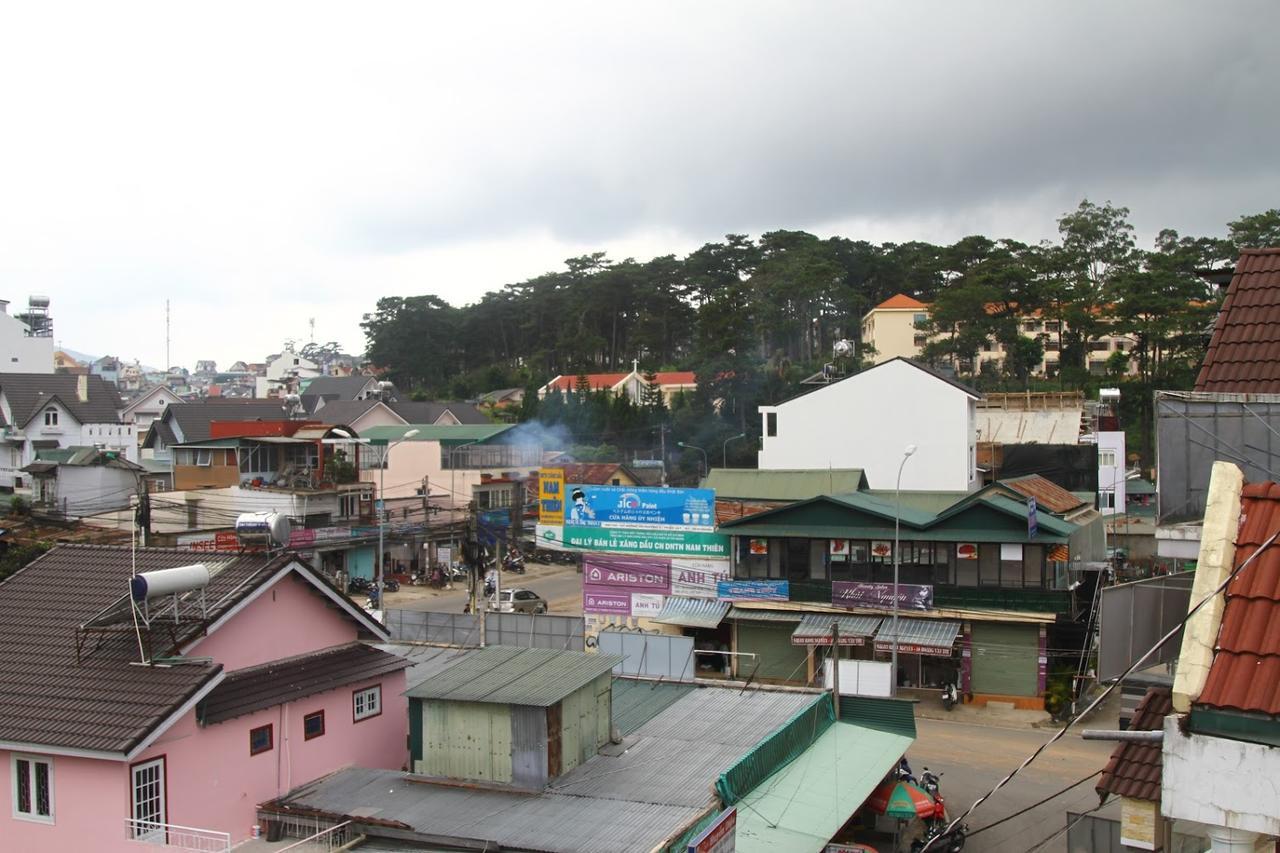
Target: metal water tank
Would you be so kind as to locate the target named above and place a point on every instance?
(146, 585)
(268, 528)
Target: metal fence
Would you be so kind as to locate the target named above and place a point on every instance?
(541, 631)
(1133, 616)
(1094, 834)
(174, 837)
(327, 840)
(650, 655)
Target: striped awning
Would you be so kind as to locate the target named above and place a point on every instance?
(919, 636)
(815, 629)
(692, 612)
(748, 614)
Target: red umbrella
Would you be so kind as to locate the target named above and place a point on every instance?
(902, 800)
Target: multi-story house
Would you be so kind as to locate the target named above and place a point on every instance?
(45, 411)
(129, 718)
(897, 328)
(27, 347)
(633, 384)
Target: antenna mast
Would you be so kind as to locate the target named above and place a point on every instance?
(167, 362)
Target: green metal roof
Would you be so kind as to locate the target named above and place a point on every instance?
(636, 702)
(786, 484)
(934, 502)
(508, 675)
(800, 807)
(444, 433)
(896, 716)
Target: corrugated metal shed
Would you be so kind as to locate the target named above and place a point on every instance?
(515, 676)
(692, 612)
(636, 702)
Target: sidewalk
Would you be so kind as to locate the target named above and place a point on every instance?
(1000, 715)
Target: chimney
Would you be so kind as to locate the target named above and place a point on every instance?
(82, 388)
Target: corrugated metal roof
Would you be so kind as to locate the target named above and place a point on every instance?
(692, 612)
(508, 675)
(1047, 493)
(819, 625)
(636, 702)
(436, 432)
(938, 633)
(786, 484)
(896, 716)
(744, 613)
(1244, 351)
(424, 661)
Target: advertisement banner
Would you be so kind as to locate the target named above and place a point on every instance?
(551, 496)
(605, 600)
(720, 836)
(641, 574)
(550, 536)
(649, 541)
(966, 551)
(697, 578)
(880, 595)
(646, 604)
(882, 548)
(839, 549)
(646, 507)
(223, 540)
(753, 591)
(758, 547)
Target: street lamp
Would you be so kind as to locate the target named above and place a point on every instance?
(724, 456)
(706, 466)
(897, 522)
(382, 513)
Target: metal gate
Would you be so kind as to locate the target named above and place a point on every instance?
(1005, 659)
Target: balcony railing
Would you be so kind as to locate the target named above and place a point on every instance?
(174, 837)
(1033, 599)
(333, 838)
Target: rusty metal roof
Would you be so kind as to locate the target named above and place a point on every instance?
(1048, 494)
(1245, 674)
(1134, 768)
(254, 688)
(1244, 351)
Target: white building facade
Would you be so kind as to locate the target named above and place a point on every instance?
(867, 420)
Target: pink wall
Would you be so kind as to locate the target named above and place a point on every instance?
(272, 627)
(90, 805)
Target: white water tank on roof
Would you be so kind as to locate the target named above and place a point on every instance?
(146, 585)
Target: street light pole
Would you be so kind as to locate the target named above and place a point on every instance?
(724, 451)
(897, 524)
(382, 515)
(706, 466)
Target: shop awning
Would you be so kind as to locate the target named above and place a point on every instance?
(815, 629)
(692, 612)
(919, 636)
(747, 614)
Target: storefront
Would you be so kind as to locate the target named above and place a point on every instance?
(702, 619)
(1006, 660)
(927, 656)
(763, 648)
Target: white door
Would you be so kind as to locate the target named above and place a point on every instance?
(148, 801)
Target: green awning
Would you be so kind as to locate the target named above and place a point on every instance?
(802, 806)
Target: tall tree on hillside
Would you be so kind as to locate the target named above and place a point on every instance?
(1257, 231)
(414, 339)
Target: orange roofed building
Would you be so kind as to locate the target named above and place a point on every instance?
(633, 384)
(895, 328)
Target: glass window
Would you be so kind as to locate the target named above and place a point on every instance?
(919, 320)
(313, 725)
(260, 739)
(1107, 457)
(366, 703)
(818, 569)
(989, 564)
(771, 423)
(1033, 565)
(1011, 564)
(753, 557)
(32, 788)
(1106, 498)
(50, 416)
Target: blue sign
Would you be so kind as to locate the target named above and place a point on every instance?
(1033, 525)
(753, 591)
(493, 526)
(647, 507)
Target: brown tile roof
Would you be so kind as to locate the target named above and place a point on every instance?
(68, 688)
(1134, 768)
(1048, 495)
(594, 473)
(1244, 352)
(1245, 674)
(254, 688)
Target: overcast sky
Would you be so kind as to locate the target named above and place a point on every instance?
(260, 164)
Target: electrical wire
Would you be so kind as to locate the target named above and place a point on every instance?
(1034, 805)
(1107, 692)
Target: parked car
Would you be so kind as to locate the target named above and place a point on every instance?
(519, 601)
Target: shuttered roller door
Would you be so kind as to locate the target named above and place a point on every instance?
(1005, 659)
(775, 656)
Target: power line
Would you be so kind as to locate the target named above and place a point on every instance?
(1107, 692)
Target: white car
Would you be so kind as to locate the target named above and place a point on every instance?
(518, 601)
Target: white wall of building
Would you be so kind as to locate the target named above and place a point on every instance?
(1111, 476)
(22, 354)
(868, 419)
(1220, 782)
(66, 432)
(90, 489)
(893, 332)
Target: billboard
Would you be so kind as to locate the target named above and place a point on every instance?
(720, 836)
(647, 541)
(693, 578)
(646, 574)
(551, 496)
(641, 507)
(880, 595)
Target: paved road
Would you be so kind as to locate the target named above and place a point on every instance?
(560, 585)
(974, 757)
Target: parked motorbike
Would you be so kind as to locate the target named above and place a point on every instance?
(490, 585)
(390, 585)
(357, 585)
(950, 696)
(513, 562)
(936, 839)
(372, 602)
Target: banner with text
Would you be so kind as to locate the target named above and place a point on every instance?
(648, 541)
(753, 591)
(646, 507)
(617, 601)
(640, 574)
(697, 578)
(551, 496)
(880, 595)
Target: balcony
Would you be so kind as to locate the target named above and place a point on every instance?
(170, 836)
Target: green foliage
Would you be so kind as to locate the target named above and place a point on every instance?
(17, 556)
(19, 506)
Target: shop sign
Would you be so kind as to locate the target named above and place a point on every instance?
(606, 600)
(697, 578)
(1033, 525)
(753, 591)
(758, 547)
(914, 649)
(641, 507)
(838, 549)
(645, 574)
(881, 548)
(720, 836)
(551, 496)
(646, 604)
(223, 540)
(825, 640)
(681, 543)
(880, 595)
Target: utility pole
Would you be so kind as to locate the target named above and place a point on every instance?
(835, 668)
(167, 362)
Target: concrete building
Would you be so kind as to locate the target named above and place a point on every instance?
(866, 421)
(670, 384)
(74, 482)
(26, 347)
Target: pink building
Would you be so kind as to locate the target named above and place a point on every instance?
(252, 685)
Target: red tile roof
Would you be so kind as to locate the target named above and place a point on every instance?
(593, 473)
(676, 377)
(1244, 352)
(597, 381)
(901, 300)
(1245, 674)
(1134, 768)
